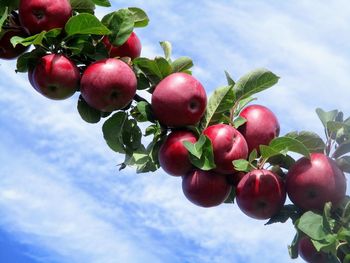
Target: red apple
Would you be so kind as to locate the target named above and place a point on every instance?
(40, 15)
(7, 51)
(228, 145)
(308, 252)
(179, 100)
(205, 188)
(55, 76)
(313, 182)
(131, 48)
(261, 127)
(260, 194)
(108, 85)
(173, 156)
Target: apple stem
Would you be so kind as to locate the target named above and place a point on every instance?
(233, 111)
(262, 161)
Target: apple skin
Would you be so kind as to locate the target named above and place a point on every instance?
(308, 252)
(7, 51)
(108, 85)
(228, 145)
(312, 183)
(205, 188)
(260, 194)
(131, 48)
(173, 156)
(179, 100)
(40, 15)
(55, 76)
(261, 127)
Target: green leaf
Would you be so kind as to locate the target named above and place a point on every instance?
(104, 3)
(326, 116)
(239, 121)
(143, 112)
(11, 4)
(167, 48)
(153, 69)
(32, 40)
(85, 24)
(140, 17)
(311, 140)
(311, 224)
(164, 66)
(293, 248)
(282, 145)
(254, 82)
(28, 60)
(241, 165)
(344, 163)
(339, 131)
(201, 153)
(142, 82)
(242, 103)
(231, 198)
(286, 212)
(182, 64)
(112, 131)
(87, 113)
(220, 102)
(230, 80)
(4, 14)
(328, 222)
(121, 25)
(327, 245)
(281, 160)
(131, 135)
(83, 6)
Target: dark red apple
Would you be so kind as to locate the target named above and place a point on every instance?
(313, 182)
(179, 100)
(173, 156)
(228, 145)
(55, 76)
(260, 194)
(7, 51)
(205, 188)
(131, 48)
(40, 15)
(308, 252)
(108, 85)
(261, 127)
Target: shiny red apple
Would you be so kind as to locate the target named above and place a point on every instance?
(313, 182)
(308, 252)
(131, 48)
(179, 100)
(108, 85)
(228, 145)
(261, 127)
(205, 188)
(40, 15)
(260, 194)
(173, 156)
(55, 76)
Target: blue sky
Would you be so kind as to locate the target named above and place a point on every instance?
(61, 196)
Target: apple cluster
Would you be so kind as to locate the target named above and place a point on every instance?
(223, 148)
